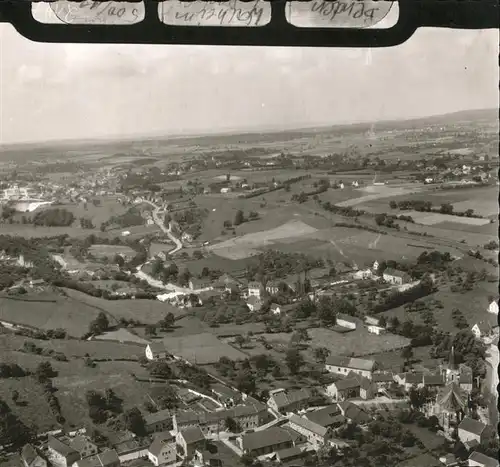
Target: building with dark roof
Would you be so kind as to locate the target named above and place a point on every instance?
(344, 365)
(290, 454)
(60, 454)
(351, 387)
(477, 459)
(163, 449)
(156, 351)
(266, 441)
(354, 413)
(383, 379)
(103, 459)
(474, 430)
(315, 434)
(328, 417)
(158, 421)
(84, 446)
(190, 439)
(31, 458)
(289, 401)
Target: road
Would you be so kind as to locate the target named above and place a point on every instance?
(161, 225)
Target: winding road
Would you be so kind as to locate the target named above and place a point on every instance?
(159, 223)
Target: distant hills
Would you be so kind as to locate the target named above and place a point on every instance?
(256, 134)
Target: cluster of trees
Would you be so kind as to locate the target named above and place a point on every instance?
(86, 223)
(100, 324)
(239, 218)
(342, 211)
(11, 370)
(31, 347)
(492, 245)
(52, 401)
(459, 319)
(426, 206)
(129, 218)
(55, 217)
(169, 273)
(395, 299)
(102, 406)
(160, 398)
(420, 334)
(13, 432)
(386, 221)
(190, 219)
(276, 264)
(165, 324)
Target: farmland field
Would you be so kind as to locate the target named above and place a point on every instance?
(433, 218)
(102, 251)
(380, 192)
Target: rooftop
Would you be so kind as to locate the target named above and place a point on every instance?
(326, 416)
(159, 442)
(483, 460)
(382, 377)
(264, 438)
(286, 398)
(351, 362)
(472, 426)
(192, 435)
(102, 459)
(156, 417)
(28, 453)
(308, 425)
(58, 446)
(79, 443)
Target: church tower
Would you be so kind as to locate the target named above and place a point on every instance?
(451, 370)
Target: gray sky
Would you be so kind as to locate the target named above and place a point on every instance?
(61, 91)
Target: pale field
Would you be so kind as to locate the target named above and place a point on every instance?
(378, 192)
(434, 218)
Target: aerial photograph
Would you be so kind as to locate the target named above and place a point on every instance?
(249, 256)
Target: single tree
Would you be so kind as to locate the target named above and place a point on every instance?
(239, 218)
(294, 360)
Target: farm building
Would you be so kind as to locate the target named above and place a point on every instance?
(272, 287)
(383, 380)
(190, 440)
(162, 450)
(344, 365)
(352, 386)
(329, 416)
(226, 396)
(474, 430)
(275, 309)
(60, 454)
(477, 459)
(103, 459)
(393, 276)
(354, 413)
(84, 446)
(254, 303)
(315, 434)
(157, 421)
(346, 321)
(199, 284)
(266, 441)
(31, 458)
(378, 330)
(156, 351)
(283, 401)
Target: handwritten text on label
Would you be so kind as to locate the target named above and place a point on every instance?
(210, 13)
(90, 12)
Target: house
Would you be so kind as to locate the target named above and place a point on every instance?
(199, 284)
(433, 380)
(352, 386)
(477, 459)
(158, 421)
(60, 454)
(275, 309)
(254, 303)
(227, 282)
(383, 380)
(449, 460)
(225, 190)
(328, 417)
(473, 430)
(162, 450)
(493, 307)
(156, 351)
(346, 321)
(187, 237)
(273, 287)
(266, 441)
(354, 413)
(103, 459)
(378, 330)
(486, 327)
(409, 380)
(31, 458)
(344, 365)
(255, 289)
(290, 454)
(247, 416)
(226, 396)
(131, 449)
(284, 401)
(372, 321)
(190, 440)
(393, 276)
(315, 434)
(84, 446)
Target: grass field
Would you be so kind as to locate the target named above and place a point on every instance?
(201, 349)
(48, 310)
(109, 251)
(434, 218)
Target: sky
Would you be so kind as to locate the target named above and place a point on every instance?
(85, 91)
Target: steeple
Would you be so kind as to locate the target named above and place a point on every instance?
(452, 361)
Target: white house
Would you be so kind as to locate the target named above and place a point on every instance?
(473, 430)
(344, 365)
(60, 454)
(346, 321)
(493, 307)
(225, 190)
(316, 434)
(156, 351)
(378, 330)
(255, 289)
(275, 309)
(163, 450)
(486, 327)
(393, 276)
